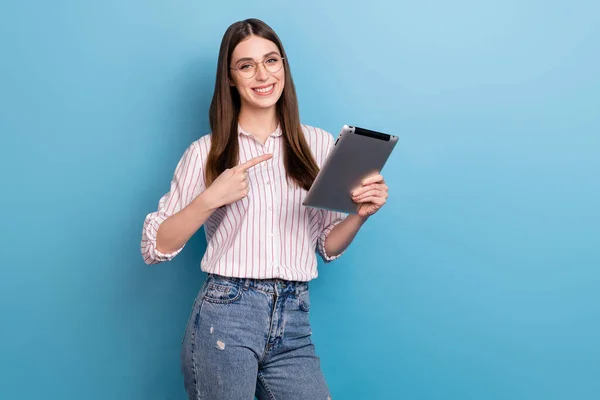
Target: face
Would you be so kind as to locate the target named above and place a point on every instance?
(264, 88)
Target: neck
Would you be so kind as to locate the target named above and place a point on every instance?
(259, 122)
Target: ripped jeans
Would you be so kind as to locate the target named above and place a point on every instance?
(248, 337)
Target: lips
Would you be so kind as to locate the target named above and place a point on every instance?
(264, 90)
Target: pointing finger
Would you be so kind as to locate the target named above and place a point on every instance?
(256, 160)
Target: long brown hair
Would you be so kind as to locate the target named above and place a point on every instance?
(300, 165)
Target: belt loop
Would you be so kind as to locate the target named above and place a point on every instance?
(246, 283)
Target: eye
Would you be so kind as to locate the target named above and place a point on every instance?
(245, 66)
(272, 60)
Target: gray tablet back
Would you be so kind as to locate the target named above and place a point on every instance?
(357, 154)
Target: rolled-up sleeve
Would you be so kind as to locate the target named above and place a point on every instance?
(186, 184)
(330, 220)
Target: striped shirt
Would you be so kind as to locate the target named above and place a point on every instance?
(266, 235)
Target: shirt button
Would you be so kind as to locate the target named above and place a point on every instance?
(268, 182)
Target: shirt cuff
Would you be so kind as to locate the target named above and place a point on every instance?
(149, 251)
(321, 242)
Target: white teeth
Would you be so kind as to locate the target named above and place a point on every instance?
(264, 90)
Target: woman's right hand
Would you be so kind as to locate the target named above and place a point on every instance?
(232, 185)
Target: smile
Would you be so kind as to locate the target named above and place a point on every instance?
(265, 90)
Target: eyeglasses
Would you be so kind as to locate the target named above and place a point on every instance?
(247, 69)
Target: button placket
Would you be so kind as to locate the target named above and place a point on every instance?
(272, 192)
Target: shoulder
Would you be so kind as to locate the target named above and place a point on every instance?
(320, 142)
(316, 132)
(196, 152)
(200, 147)
(317, 136)
(203, 143)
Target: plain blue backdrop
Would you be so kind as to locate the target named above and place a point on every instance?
(480, 279)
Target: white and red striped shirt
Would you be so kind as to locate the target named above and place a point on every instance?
(266, 235)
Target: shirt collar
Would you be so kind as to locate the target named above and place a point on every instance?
(276, 133)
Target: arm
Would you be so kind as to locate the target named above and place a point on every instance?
(188, 205)
(372, 195)
(177, 229)
(229, 187)
(338, 229)
(342, 234)
(186, 184)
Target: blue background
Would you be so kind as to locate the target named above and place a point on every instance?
(480, 278)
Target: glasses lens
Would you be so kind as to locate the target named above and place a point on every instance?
(247, 69)
(273, 63)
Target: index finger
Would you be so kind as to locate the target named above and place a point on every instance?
(256, 160)
(373, 179)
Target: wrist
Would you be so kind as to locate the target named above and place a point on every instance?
(205, 202)
(360, 219)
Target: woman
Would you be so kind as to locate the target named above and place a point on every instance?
(248, 331)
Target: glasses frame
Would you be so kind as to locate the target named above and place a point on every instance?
(257, 66)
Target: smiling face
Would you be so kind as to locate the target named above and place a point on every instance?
(261, 56)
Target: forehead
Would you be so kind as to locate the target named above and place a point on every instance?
(253, 47)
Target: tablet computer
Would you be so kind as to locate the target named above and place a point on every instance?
(357, 154)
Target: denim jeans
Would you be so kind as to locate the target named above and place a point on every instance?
(247, 338)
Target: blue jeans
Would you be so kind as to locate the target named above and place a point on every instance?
(247, 338)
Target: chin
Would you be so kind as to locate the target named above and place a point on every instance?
(266, 102)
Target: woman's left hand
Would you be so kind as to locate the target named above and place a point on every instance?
(372, 195)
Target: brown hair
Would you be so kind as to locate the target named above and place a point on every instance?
(300, 165)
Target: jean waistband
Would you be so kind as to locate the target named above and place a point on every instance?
(279, 286)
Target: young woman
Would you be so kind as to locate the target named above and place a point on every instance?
(249, 333)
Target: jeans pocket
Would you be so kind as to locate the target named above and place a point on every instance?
(222, 292)
(304, 301)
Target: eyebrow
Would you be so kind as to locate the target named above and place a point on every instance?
(251, 59)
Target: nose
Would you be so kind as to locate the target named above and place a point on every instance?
(261, 72)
